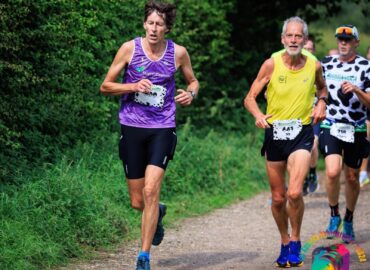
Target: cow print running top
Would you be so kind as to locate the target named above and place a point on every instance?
(346, 108)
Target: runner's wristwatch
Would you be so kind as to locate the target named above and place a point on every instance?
(325, 99)
(192, 93)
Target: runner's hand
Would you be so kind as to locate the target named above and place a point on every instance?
(261, 121)
(184, 98)
(348, 87)
(318, 112)
(143, 86)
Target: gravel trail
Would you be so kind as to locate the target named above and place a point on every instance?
(241, 236)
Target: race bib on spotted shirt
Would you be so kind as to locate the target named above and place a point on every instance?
(286, 129)
(344, 132)
(154, 98)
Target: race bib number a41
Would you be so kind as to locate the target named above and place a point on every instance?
(154, 98)
(343, 132)
(286, 129)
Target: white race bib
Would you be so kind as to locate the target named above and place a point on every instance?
(286, 129)
(154, 98)
(344, 132)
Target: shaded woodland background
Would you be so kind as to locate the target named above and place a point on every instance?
(54, 55)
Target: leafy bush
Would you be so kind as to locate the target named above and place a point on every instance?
(54, 55)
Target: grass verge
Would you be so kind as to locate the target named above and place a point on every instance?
(81, 203)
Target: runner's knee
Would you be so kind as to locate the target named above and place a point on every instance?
(151, 195)
(278, 201)
(332, 173)
(137, 204)
(352, 177)
(294, 196)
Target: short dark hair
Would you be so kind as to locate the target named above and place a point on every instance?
(166, 10)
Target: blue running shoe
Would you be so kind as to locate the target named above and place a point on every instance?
(159, 233)
(333, 229)
(313, 184)
(142, 263)
(294, 257)
(348, 235)
(282, 261)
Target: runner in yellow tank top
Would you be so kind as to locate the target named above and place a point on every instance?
(311, 182)
(290, 93)
(288, 134)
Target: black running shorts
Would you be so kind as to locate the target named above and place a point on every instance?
(279, 150)
(352, 153)
(139, 147)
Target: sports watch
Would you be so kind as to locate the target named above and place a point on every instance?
(325, 99)
(192, 93)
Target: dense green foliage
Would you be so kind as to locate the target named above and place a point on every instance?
(54, 55)
(83, 200)
(258, 24)
(351, 13)
(52, 62)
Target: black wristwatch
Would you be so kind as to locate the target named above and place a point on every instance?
(192, 93)
(325, 99)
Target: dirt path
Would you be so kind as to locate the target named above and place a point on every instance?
(242, 236)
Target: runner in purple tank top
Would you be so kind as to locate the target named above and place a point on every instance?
(147, 114)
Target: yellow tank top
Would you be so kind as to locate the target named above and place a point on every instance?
(290, 93)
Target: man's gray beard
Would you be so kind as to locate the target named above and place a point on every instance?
(293, 53)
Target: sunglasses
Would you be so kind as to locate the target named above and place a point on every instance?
(344, 30)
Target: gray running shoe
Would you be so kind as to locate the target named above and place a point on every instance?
(313, 184)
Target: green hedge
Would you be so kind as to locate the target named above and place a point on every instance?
(54, 56)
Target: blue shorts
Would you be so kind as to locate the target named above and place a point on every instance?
(279, 150)
(140, 147)
(352, 153)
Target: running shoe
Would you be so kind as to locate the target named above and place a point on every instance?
(364, 182)
(159, 233)
(142, 263)
(305, 186)
(294, 257)
(282, 260)
(333, 227)
(348, 235)
(313, 184)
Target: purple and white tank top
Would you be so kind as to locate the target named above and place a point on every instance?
(156, 109)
